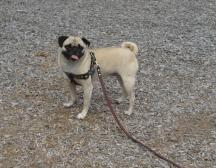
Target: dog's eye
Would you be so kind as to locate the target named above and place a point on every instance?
(68, 46)
(80, 47)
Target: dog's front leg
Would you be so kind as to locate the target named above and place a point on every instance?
(87, 98)
(73, 97)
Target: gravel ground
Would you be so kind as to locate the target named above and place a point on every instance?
(175, 90)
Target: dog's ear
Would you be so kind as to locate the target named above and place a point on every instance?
(86, 41)
(61, 40)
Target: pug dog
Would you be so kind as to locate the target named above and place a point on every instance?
(74, 59)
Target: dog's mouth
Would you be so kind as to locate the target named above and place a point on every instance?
(74, 58)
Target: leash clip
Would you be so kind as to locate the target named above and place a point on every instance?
(98, 69)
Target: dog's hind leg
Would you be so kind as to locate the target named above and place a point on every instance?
(124, 93)
(129, 82)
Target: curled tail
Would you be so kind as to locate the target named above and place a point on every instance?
(131, 46)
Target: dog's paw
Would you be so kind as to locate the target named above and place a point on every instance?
(128, 112)
(81, 115)
(69, 104)
(119, 100)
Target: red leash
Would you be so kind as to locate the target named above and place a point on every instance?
(109, 103)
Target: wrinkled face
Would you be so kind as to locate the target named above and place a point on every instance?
(73, 48)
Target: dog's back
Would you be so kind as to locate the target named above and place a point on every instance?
(118, 59)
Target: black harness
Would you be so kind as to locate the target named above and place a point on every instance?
(86, 75)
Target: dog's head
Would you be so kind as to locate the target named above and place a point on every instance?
(73, 48)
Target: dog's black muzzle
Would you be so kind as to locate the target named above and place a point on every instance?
(73, 53)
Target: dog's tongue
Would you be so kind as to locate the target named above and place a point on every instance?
(75, 57)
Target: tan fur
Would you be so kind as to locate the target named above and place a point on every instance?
(132, 46)
(116, 60)
(113, 60)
